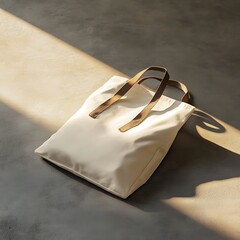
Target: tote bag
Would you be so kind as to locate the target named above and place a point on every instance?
(121, 133)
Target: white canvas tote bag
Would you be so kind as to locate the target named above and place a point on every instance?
(121, 133)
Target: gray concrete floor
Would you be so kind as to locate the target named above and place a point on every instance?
(199, 43)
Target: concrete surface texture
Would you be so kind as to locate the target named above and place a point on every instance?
(55, 53)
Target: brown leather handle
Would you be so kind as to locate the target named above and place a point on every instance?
(173, 83)
(125, 88)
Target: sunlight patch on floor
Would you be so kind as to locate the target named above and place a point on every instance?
(43, 77)
(216, 205)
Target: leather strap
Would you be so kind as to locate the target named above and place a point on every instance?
(173, 83)
(125, 88)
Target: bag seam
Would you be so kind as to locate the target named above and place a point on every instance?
(142, 172)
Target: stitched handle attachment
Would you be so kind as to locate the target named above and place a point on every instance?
(173, 83)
